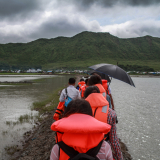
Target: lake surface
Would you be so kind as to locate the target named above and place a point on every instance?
(138, 111)
(16, 100)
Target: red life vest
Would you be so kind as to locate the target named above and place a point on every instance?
(82, 88)
(105, 85)
(82, 83)
(79, 131)
(99, 106)
(59, 111)
(102, 90)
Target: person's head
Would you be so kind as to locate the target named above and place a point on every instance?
(81, 79)
(86, 81)
(72, 81)
(78, 106)
(96, 74)
(94, 79)
(91, 89)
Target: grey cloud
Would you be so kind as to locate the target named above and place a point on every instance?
(9, 9)
(58, 27)
(136, 29)
(86, 4)
(140, 2)
(13, 38)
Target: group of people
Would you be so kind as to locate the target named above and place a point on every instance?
(86, 122)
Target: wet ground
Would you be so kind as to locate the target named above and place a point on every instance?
(38, 142)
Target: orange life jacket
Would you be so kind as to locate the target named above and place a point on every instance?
(99, 106)
(59, 111)
(82, 88)
(82, 83)
(105, 85)
(79, 131)
(102, 90)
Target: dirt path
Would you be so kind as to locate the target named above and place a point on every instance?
(38, 142)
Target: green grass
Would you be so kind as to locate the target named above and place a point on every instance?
(25, 118)
(76, 64)
(85, 64)
(52, 100)
(39, 80)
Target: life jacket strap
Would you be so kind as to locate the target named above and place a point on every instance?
(74, 155)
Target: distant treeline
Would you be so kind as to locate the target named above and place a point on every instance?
(136, 68)
(5, 66)
(82, 50)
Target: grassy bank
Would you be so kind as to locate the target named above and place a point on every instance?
(49, 104)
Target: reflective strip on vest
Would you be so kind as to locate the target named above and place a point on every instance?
(104, 109)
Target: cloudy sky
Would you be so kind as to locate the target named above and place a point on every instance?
(28, 20)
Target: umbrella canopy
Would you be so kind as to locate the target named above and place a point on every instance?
(103, 76)
(113, 71)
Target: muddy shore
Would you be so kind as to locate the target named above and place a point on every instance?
(38, 142)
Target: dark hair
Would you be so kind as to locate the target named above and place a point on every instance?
(81, 79)
(78, 106)
(94, 80)
(72, 81)
(86, 81)
(91, 89)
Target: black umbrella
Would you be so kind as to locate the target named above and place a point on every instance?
(103, 76)
(113, 71)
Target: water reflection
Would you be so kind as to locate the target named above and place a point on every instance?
(15, 100)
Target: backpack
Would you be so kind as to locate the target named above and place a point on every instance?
(68, 99)
(75, 155)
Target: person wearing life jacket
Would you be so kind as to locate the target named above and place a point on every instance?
(70, 92)
(105, 85)
(96, 81)
(83, 88)
(59, 111)
(81, 85)
(108, 91)
(81, 133)
(102, 112)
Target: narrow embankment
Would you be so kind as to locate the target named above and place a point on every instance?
(38, 142)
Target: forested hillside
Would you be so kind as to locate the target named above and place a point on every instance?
(81, 50)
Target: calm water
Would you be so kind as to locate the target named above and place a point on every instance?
(138, 111)
(17, 100)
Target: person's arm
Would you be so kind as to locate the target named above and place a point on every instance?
(113, 137)
(78, 95)
(62, 96)
(112, 103)
(55, 153)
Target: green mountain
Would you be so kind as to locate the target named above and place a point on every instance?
(82, 50)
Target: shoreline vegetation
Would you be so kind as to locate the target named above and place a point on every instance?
(38, 142)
